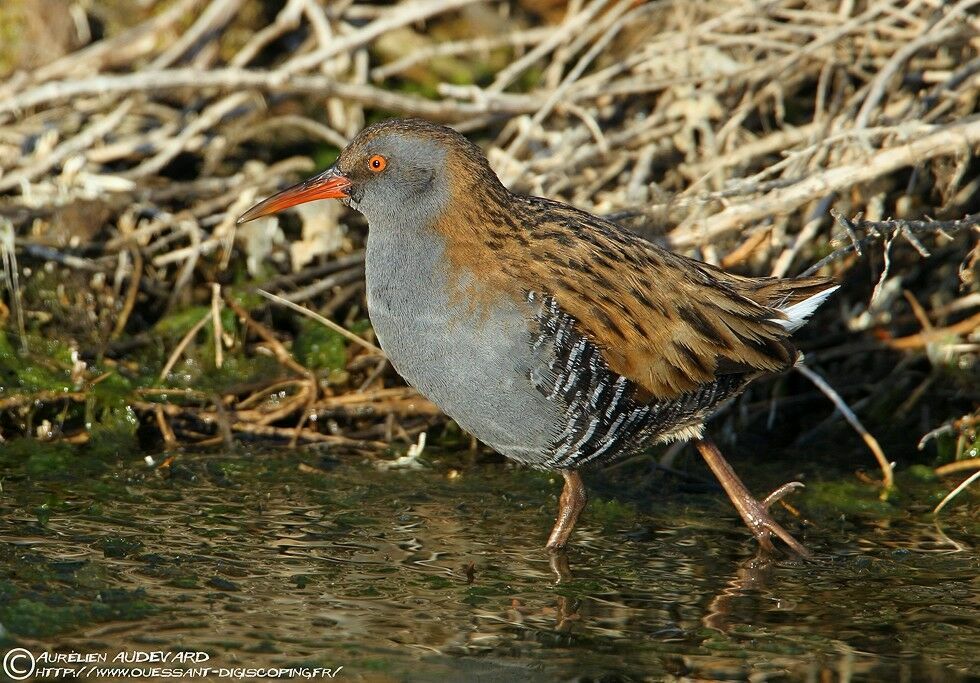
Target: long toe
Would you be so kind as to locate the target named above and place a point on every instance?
(764, 526)
(781, 493)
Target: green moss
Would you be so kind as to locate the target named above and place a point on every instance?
(37, 618)
(45, 460)
(58, 461)
(176, 325)
(437, 582)
(7, 353)
(246, 297)
(320, 348)
(920, 473)
(113, 391)
(610, 513)
(847, 497)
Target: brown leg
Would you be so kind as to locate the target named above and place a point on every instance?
(754, 514)
(570, 505)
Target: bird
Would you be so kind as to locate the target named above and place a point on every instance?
(556, 337)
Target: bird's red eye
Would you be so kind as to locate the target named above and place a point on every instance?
(377, 163)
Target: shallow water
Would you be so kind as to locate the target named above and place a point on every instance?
(267, 559)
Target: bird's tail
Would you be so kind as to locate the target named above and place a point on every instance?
(797, 314)
(795, 298)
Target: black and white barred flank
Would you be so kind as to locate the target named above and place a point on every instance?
(603, 419)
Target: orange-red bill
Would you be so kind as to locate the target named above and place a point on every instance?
(331, 184)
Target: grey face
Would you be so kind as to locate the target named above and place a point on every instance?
(395, 175)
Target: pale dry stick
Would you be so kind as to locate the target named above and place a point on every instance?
(139, 144)
(848, 226)
(635, 188)
(809, 231)
(888, 475)
(644, 85)
(958, 466)
(756, 237)
(342, 277)
(129, 303)
(125, 48)
(560, 34)
(827, 38)
(326, 322)
(147, 229)
(551, 74)
(654, 128)
(909, 13)
(8, 264)
(192, 228)
(669, 44)
(618, 21)
(753, 41)
(214, 418)
(924, 338)
(962, 76)
(278, 410)
(287, 20)
(590, 124)
(947, 428)
(898, 60)
(799, 157)
(401, 14)
(612, 25)
(318, 20)
(946, 140)
(209, 25)
(774, 142)
(957, 491)
(74, 145)
(232, 79)
(179, 349)
(216, 305)
(262, 394)
(565, 167)
(880, 285)
(964, 302)
(879, 228)
(228, 227)
(914, 241)
(169, 438)
(458, 47)
(205, 121)
(307, 435)
(36, 397)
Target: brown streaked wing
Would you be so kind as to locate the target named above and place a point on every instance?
(668, 323)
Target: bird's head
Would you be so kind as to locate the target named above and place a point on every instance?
(390, 169)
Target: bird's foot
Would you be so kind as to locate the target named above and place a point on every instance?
(763, 526)
(754, 513)
(558, 559)
(570, 506)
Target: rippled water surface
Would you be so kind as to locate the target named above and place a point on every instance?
(287, 558)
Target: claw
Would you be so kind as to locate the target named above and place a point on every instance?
(763, 526)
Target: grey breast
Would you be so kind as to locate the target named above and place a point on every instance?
(475, 367)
